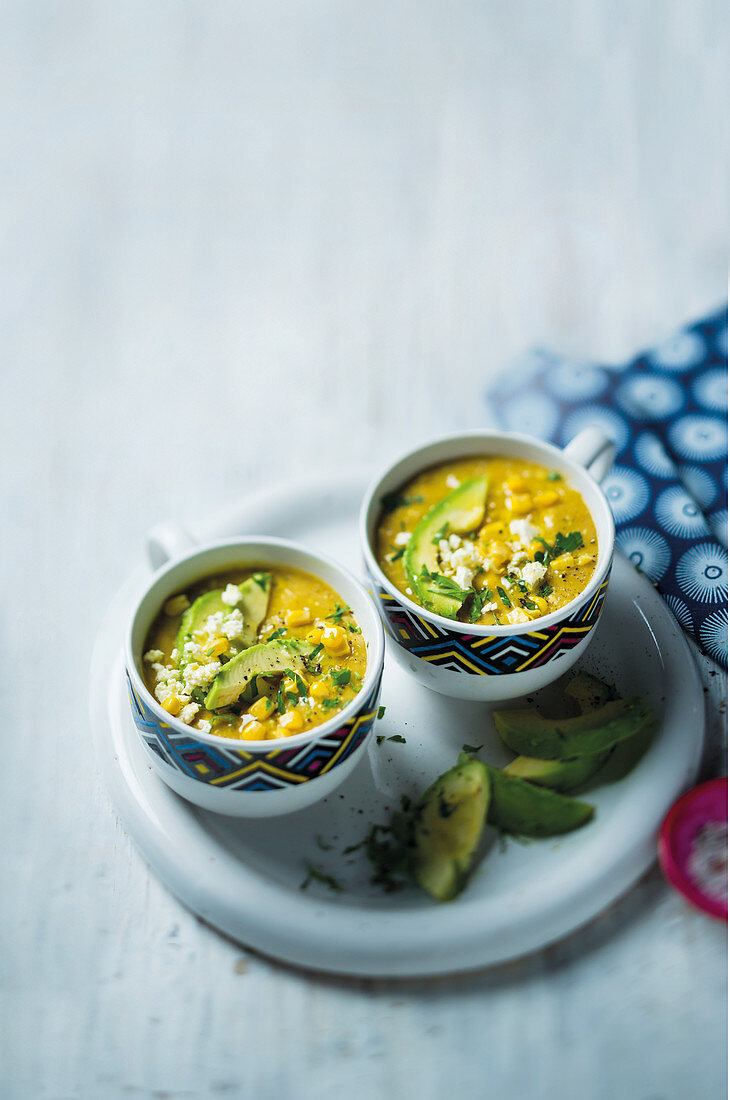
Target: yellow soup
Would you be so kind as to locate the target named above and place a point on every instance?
(255, 654)
(489, 540)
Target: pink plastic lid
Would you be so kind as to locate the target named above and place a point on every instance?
(705, 805)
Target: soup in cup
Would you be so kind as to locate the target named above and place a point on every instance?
(254, 670)
(490, 555)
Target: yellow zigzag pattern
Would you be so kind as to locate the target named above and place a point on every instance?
(257, 763)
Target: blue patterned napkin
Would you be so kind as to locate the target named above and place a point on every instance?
(666, 411)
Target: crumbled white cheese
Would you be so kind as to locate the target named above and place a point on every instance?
(175, 656)
(153, 656)
(444, 549)
(409, 591)
(518, 559)
(200, 675)
(231, 595)
(523, 530)
(232, 625)
(464, 576)
(213, 623)
(454, 542)
(452, 482)
(489, 607)
(532, 574)
(517, 615)
(188, 712)
(402, 538)
(203, 726)
(506, 582)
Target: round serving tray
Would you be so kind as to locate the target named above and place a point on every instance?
(245, 877)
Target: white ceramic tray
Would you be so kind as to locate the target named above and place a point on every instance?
(244, 877)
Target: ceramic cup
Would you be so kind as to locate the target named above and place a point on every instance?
(491, 663)
(249, 778)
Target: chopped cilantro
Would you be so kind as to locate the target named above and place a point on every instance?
(504, 597)
(315, 875)
(278, 633)
(445, 585)
(397, 737)
(471, 748)
(564, 544)
(340, 677)
(354, 629)
(339, 611)
(328, 704)
(545, 590)
(280, 703)
(380, 738)
(398, 552)
(381, 712)
(529, 604)
(391, 501)
(555, 475)
(262, 579)
(315, 652)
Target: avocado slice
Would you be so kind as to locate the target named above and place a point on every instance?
(527, 732)
(194, 618)
(559, 775)
(463, 510)
(255, 594)
(448, 824)
(589, 693)
(265, 659)
(254, 601)
(517, 806)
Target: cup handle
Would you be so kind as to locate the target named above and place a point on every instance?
(593, 449)
(167, 541)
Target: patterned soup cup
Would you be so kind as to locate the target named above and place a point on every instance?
(251, 778)
(493, 663)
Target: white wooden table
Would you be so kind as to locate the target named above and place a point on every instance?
(240, 238)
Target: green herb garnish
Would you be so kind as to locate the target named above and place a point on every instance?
(315, 652)
(398, 552)
(529, 604)
(381, 712)
(328, 704)
(339, 611)
(380, 738)
(315, 875)
(471, 748)
(545, 590)
(278, 633)
(504, 597)
(564, 544)
(440, 534)
(397, 737)
(340, 677)
(262, 579)
(555, 475)
(391, 501)
(478, 601)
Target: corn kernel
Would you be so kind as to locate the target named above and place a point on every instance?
(499, 552)
(171, 704)
(262, 708)
(299, 616)
(335, 641)
(289, 684)
(519, 504)
(547, 498)
(584, 559)
(292, 721)
(314, 637)
(516, 484)
(320, 689)
(491, 531)
(565, 561)
(220, 645)
(542, 604)
(275, 733)
(177, 604)
(254, 731)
